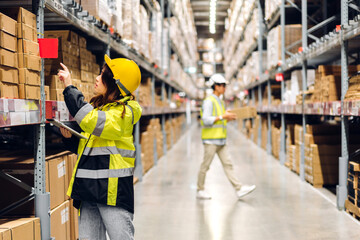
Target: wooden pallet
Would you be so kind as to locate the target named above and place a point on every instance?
(352, 209)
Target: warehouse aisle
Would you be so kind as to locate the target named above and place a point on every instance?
(282, 206)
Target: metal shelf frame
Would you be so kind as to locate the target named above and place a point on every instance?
(334, 45)
(19, 112)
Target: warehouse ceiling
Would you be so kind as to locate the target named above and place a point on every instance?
(201, 10)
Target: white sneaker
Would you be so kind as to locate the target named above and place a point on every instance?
(203, 195)
(245, 190)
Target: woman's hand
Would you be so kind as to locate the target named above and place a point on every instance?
(65, 76)
(66, 133)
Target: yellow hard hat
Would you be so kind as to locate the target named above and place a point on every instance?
(126, 74)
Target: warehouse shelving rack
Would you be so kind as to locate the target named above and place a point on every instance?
(332, 46)
(20, 112)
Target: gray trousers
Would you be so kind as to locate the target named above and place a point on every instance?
(222, 152)
(97, 219)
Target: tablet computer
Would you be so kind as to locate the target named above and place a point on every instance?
(60, 124)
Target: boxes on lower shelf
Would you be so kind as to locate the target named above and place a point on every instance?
(20, 229)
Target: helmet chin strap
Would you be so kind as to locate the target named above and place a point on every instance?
(122, 87)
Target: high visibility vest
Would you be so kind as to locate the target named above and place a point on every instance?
(105, 165)
(218, 129)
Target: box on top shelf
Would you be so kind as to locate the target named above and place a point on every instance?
(7, 24)
(9, 75)
(26, 32)
(99, 9)
(28, 47)
(8, 41)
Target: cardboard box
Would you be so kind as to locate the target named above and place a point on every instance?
(56, 95)
(29, 77)
(60, 222)
(28, 47)
(29, 61)
(29, 92)
(26, 17)
(54, 82)
(9, 75)
(56, 172)
(23, 228)
(8, 90)
(47, 93)
(7, 24)
(245, 112)
(86, 76)
(82, 42)
(26, 32)
(8, 41)
(5, 234)
(8, 58)
(74, 222)
(65, 35)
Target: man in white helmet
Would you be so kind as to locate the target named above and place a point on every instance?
(214, 119)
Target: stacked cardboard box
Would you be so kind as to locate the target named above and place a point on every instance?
(275, 138)
(298, 135)
(20, 229)
(292, 34)
(328, 83)
(9, 78)
(145, 92)
(80, 61)
(255, 130)
(29, 59)
(275, 95)
(322, 151)
(290, 145)
(59, 169)
(264, 132)
(353, 90)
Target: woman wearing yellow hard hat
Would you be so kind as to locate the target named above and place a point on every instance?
(102, 181)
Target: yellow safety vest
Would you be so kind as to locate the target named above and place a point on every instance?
(218, 129)
(104, 169)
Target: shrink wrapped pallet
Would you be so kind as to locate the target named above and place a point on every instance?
(292, 34)
(99, 9)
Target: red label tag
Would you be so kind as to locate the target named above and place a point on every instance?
(338, 28)
(300, 49)
(48, 47)
(279, 77)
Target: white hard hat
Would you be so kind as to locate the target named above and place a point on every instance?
(218, 79)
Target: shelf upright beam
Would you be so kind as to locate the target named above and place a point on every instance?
(153, 106)
(283, 130)
(261, 47)
(138, 164)
(42, 198)
(304, 84)
(253, 103)
(341, 189)
(163, 120)
(162, 3)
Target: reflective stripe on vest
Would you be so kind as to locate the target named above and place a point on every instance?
(218, 130)
(96, 151)
(101, 118)
(104, 173)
